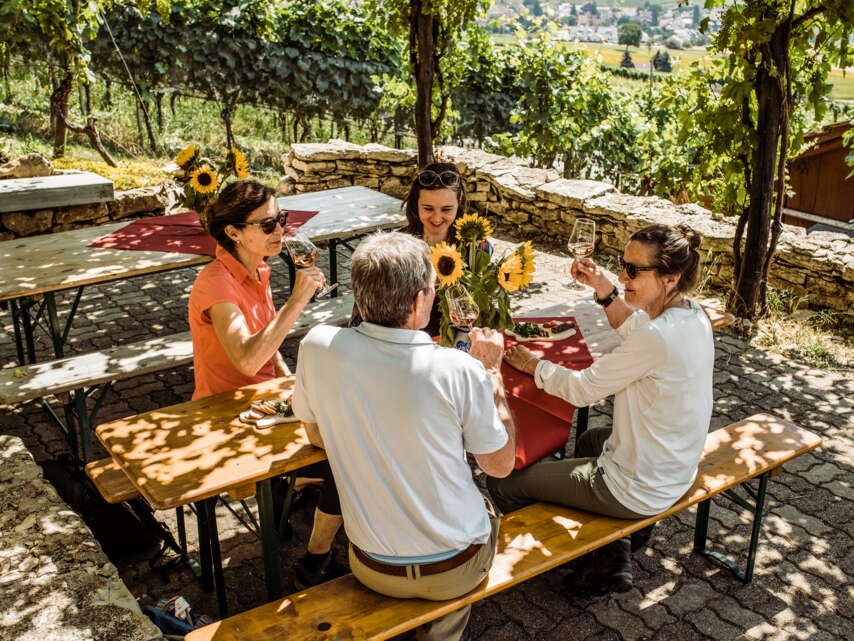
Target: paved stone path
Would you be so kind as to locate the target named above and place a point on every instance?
(803, 587)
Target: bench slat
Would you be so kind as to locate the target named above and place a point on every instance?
(111, 481)
(532, 541)
(135, 359)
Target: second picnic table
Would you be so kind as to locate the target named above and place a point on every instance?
(192, 452)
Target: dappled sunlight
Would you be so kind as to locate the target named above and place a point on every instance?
(356, 210)
(54, 261)
(198, 449)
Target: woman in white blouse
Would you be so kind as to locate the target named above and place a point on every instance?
(661, 379)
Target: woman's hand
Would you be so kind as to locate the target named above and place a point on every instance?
(307, 282)
(586, 272)
(522, 359)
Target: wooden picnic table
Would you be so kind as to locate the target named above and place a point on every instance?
(49, 263)
(192, 452)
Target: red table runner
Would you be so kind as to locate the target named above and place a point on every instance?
(543, 421)
(181, 233)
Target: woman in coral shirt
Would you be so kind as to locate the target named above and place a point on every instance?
(237, 331)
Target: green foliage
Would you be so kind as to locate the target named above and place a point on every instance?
(661, 61)
(305, 57)
(848, 141)
(630, 34)
(487, 91)
(627, 62)
(567, 111)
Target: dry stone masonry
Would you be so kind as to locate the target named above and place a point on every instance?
(144, 201)
(542, 206)
(56, 584)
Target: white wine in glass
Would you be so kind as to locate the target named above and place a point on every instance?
(303, 253)
(462, 309)
(581, 243)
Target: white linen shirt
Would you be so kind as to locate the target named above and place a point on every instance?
(397, 414)
(661, 379)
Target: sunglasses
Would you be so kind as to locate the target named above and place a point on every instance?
(268, 225)
(429, 178)
(632, 269)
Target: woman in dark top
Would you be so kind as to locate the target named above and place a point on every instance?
(436, 197)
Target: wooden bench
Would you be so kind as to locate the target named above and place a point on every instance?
(83, 374)
(533, 540)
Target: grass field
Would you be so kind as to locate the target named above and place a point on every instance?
(611, 54)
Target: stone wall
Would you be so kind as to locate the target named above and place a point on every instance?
(144, 201)
(538, 204)
(56, 584)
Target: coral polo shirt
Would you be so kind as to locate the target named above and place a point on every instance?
(226, 280)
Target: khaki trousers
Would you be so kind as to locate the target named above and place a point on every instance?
(434, 587)
(575, 482)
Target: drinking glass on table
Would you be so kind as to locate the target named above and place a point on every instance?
(581, 243)
(462, 309)
(304, 254)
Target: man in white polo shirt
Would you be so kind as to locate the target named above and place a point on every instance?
(396, 414)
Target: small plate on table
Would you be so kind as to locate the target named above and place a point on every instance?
(550, 331)
(265, 414)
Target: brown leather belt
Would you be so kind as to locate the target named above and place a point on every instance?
(426, 569)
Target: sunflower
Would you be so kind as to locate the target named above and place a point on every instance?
(510, 274)
(526, 257)
(204, 180)
(473, 228)
(239, 162)
(447, 262)
(186, 156)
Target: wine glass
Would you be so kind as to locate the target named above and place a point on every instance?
(462, 309)
(581, 243)
(303, 253)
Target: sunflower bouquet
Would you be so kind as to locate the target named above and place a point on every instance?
(489, 281)
(203, 179)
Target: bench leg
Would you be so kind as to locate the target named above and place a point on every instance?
(27, 326)
(701, 528)
(16, 327)
(269, 539)
(216, 558)
(204, 546)
(56, 333)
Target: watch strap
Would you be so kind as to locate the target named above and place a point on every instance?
(604, 302)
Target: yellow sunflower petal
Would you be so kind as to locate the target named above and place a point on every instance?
(447, 262)
(473, 228)
(186, 155)
(204, 180)
(510, 274)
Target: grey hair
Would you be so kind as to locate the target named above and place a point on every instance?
(388, 269)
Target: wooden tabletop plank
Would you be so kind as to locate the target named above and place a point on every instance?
(47, 192)
(532, 540)
(196, 450)
(346, 212)
(52, 262)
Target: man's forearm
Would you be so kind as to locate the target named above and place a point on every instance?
(500, 398)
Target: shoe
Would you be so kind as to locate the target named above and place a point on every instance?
(326, 570)
(610, 570)
(641, 538)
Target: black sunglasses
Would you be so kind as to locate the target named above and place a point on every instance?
(268, 225)
(632, 269)
(429, 178)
